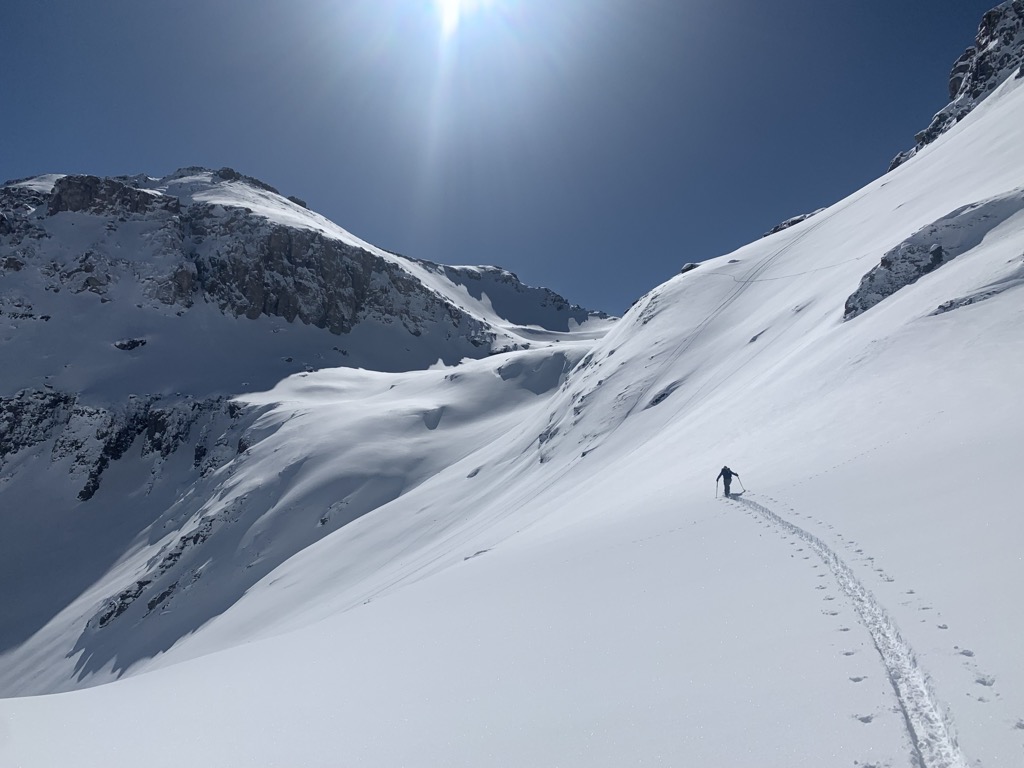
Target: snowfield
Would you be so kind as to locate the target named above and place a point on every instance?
(526, 564)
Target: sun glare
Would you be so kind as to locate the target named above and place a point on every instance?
(451, 12)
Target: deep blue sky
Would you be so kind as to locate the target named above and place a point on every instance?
(592, 146)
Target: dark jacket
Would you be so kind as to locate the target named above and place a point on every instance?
(726, 474)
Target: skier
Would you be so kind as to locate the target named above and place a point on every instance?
(726, 477)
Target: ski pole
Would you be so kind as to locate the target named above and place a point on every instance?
(742, 488)
(716, 488)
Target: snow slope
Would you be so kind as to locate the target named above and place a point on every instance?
(131, 310)
(543, 574)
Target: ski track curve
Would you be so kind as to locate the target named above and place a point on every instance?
(929, 726)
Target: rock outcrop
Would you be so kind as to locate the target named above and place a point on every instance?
(184, 248)
(87, 439)
(791, 222)
(91, 194)
(997, 53)
(250, 268)
(930, 248)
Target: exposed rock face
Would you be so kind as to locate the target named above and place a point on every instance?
(91, 194)
(513, 300)
(160, 247)
(190, 250)
(997, 53)
(16, 204)
(29, 418)
(89, 438)
(930, 248)
(257, 268)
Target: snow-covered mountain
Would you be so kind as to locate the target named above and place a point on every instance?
(518, 558)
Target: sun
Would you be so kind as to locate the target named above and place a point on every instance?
(451, 13)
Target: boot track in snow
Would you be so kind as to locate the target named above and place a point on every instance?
(930, 731)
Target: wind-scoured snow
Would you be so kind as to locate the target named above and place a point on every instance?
(520, 560)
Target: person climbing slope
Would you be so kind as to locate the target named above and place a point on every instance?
(726, 476)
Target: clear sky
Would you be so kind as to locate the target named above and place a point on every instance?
(591, 146)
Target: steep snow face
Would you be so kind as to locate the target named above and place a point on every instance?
(997, 53)
(526, 563)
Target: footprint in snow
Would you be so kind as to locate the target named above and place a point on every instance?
(943, 626)
(965, 652)
(865, 718)
(858, 679)
(987, 680)
(849, 653)
(1020, 725)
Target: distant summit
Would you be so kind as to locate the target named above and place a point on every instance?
(997, 53)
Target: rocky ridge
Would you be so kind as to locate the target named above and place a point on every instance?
(248, 265)
(226, 246)
(133, 310)
(997, 53)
